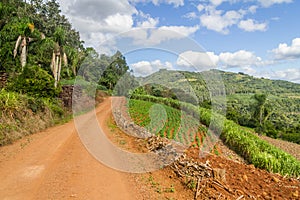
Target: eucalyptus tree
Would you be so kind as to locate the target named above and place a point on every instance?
(59, 56)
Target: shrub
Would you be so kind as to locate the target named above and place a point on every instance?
(34, 81)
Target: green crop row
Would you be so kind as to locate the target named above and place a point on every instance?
(165, 121)
(255, 150)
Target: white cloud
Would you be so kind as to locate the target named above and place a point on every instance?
(118, 23)
(217, 21)
(197, 61)
(200, 7)
(239, 59)
(176, 3)
(250, 25)
(100, 21)
(144, 68)
(217, 2)
(190, 15)
(290, 74)
(207, 60)
(161, 34)
(148, 21)
(252, 9)
(268, 3)
(98, 9)
(284, 52)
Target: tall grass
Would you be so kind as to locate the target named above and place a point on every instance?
(21, 115)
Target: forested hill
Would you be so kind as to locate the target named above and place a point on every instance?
(243, 83)
(234, 83)
(269, 106)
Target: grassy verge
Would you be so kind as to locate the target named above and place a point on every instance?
(22, 115)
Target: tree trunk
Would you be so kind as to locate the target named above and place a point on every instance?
(52, 66)
(17, 45)
(23, 57)
(56, 70)
(59, 68)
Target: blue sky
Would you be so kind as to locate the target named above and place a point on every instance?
(260, 38)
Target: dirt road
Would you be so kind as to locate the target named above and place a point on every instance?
(54, 164)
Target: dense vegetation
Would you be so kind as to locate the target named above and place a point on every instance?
(271, 107)
(40, 51)
(242, 140)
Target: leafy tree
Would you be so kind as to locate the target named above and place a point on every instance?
(115, 70)
(259, 109)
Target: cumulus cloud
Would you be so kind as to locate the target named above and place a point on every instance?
(290, 74)
(239, 59)
(144, 68)
(100, 22)
(197, 61)
(251, 25)
(219, 21)
(207, 60)
(268, 3)
(285, 52)
(161, 34)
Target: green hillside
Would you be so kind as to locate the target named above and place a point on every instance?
(269, 106)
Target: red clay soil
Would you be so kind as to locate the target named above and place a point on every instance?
(248, 182)
(54, 164)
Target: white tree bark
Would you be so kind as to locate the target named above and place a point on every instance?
(23, 57)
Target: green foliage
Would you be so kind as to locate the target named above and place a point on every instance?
(114, 71)
(34, 81)
(59, 36)
(42, 24)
